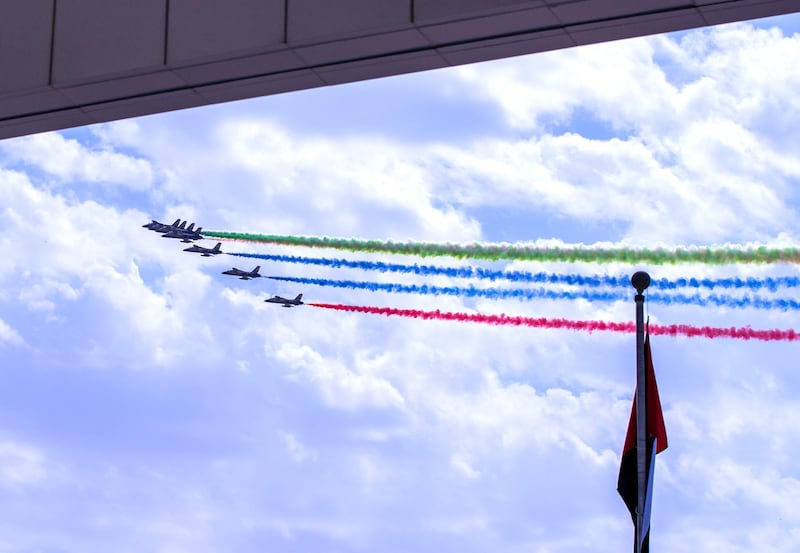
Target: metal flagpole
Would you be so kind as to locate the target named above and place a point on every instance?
(640, 280)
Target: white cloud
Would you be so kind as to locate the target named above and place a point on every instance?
(69, 161)
(692, 147)
(21, 465)
(63, 256)
(555, 83)
(462, 466)
(340, 387)
(297, 451)
(9, 336)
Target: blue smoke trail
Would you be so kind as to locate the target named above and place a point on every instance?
(542, 293)
(755, 284)
(453, 272)
(726, 301)
(470, 291)
(595, 281)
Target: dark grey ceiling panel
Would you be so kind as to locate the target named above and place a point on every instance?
(98, 39)
(25, 31)
(211, 29)
(75, 62)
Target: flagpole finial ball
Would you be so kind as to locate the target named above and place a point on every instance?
(640, 280)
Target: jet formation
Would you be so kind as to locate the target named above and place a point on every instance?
(179, 230)
(185, 235)
(175, 230)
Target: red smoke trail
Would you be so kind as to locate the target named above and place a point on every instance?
(741, 333)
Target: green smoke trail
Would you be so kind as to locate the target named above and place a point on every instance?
(498, 252)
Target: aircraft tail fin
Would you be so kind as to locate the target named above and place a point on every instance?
(176, 223)
(217, 247)
(191, 227)
(182, 226)
(299, 297)
(258, 268)
(199, 230)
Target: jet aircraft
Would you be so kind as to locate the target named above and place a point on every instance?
(285, 302)
(243, 275)
(206, 252)
(186, 235)
(162, 227)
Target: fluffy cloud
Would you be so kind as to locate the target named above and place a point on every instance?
(9, 336)
(71, 261)
(69, 161)
(695, 141)
(21, 465)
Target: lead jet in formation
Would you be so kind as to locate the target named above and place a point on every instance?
(206, 252)
(162, 227)
(285, 302)
(243, 275)
(186, 235)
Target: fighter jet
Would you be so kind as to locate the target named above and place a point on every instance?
(206, 252)
(162, 227)
(285, 302)
(243, 275)
(186, 235)
(182, 228)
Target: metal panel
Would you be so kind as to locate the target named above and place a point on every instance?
(261, 86)
(635, 26)
(123, 87)
(237, 67)
(31, 102)
(583, 11)
(102, 38)
(426, 11)
(507, 47)
(372, 69)
(363, 47)
(108, 111)
(491, 26)
(109, 56)
(215, 28)
(318, 20)
(25, 32)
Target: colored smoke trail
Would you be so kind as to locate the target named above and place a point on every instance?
(543, 293)
(716, 300)
(691, 331)
(453, 272)
(495, 252)
(469, 291)
(754, 284)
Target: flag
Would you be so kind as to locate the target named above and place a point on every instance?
(656, 439)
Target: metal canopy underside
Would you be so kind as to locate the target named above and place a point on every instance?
(66, 63)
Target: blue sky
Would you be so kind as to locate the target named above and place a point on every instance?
(150, 403)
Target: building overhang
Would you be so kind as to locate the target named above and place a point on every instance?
(67, 63)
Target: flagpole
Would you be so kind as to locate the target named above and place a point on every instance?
(640, 280)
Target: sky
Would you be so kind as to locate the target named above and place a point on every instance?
(150, 403)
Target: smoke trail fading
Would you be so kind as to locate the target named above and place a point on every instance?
(495, 252)
(754, 284)
(543, 293)
(691, 331)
